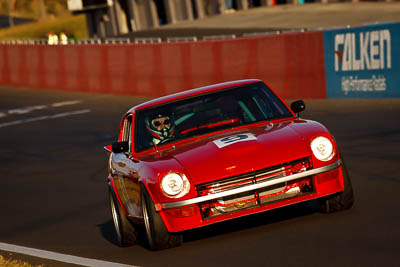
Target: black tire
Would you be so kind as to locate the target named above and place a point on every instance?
(340, 201)
(157, 234)
(126, 233)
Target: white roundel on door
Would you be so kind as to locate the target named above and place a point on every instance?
(229, 140)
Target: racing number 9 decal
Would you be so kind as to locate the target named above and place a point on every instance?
(226, 141)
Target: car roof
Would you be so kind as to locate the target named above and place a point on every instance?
(189, 93)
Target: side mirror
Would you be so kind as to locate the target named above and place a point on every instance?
(298, 106)
(119, 147)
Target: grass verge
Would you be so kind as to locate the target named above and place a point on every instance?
(15, 263)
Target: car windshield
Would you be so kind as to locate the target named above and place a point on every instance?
(206, 113)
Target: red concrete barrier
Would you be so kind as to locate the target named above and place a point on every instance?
(292, 64)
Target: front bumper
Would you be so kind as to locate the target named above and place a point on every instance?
(216, 207)
(252, 187)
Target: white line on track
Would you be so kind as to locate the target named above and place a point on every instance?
(25, 110)
(65, 103)
(59, 257)
(55, 116)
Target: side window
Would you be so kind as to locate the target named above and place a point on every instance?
(127, 132)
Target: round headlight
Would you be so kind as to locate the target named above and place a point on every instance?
(175, 185)
(322, 148)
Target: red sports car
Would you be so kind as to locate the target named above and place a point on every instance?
(216, 153)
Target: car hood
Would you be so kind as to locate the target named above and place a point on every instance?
(229, 154)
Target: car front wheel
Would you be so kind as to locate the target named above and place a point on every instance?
(126, 233)
(157, 234)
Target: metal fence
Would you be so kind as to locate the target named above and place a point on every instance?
(143, 40)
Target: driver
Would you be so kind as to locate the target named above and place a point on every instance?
(161, 127)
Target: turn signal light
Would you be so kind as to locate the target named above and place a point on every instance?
(182, 212)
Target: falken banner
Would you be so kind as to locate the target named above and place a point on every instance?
(363, 62)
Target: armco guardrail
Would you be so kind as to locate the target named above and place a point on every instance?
(291, 63)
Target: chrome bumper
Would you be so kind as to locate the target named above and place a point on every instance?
(247, 188)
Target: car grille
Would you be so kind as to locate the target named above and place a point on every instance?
(258, 197)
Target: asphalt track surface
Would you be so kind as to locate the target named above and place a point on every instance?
(53, 191)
